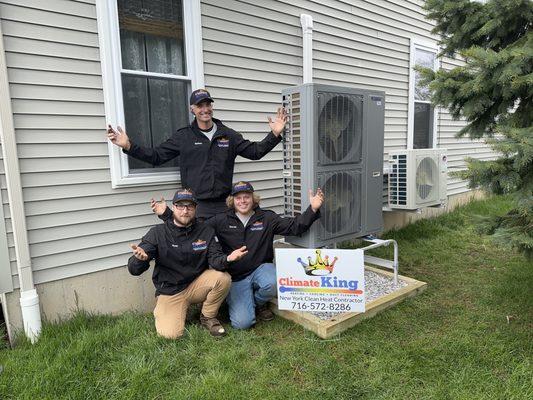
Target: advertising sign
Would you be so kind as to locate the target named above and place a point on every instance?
(320, 280)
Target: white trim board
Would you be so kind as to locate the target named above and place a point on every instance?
(6, 122)
(427, 46)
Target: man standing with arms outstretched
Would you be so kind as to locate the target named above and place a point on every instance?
(207, 150)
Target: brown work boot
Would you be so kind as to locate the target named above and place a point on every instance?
(213, 325)
(263, 313)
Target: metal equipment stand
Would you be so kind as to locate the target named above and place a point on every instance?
(381, 261)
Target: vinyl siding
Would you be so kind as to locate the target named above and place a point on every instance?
(458, 148)
(6, 281)
(252, 50)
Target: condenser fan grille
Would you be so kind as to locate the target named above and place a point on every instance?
(426, 179)
(339, 128)
(341, 211)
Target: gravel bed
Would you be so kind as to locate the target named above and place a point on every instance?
(376, 285)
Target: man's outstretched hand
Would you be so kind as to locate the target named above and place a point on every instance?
(316, 199)
(139, 253)
(158, 207)
(237, 254)
(118, 137)
(278, 123)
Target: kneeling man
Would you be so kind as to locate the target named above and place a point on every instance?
(183, 252)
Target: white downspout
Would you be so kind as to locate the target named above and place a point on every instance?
(29, 300)
(307, 37)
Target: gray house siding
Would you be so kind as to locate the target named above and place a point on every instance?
(76, 223)
(6, 281)
(458, 148)
(252, 50)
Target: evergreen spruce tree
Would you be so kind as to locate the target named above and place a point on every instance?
(493, 92)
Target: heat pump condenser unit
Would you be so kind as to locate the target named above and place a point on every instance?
(334, 140)
(417, 178)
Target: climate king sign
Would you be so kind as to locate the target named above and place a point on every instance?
(320, 280)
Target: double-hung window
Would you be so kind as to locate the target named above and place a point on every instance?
(151, 56)
(422, 119)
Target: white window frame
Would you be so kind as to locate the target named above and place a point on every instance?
(417, 44)
(111, 60)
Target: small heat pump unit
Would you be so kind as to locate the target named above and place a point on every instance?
(334, 140)
(417, 178)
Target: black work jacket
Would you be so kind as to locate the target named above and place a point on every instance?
(206, 167)
(257, 236)
(181, 255)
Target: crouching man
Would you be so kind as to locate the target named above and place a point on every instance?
(183, 251)
(247, 226)
(254, 276)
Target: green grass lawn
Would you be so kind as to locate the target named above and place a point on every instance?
(453, 341)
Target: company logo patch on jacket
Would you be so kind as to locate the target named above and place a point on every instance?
(223, 142)
(199, 245)
(257, 226)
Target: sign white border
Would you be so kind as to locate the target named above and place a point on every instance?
(320, 280)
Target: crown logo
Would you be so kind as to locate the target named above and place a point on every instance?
(321, 266)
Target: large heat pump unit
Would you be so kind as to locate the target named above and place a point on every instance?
(334, 140)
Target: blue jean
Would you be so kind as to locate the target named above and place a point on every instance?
(255, 290)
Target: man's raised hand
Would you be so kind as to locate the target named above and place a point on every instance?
(278, 124)
(158, 207)
(237, 254)
(118, 137)
(139, 253)
(316, 199)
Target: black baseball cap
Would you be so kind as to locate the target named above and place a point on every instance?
(199, 95)
(241, 187)
(184, 195)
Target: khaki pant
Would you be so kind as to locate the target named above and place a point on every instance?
(211, 288)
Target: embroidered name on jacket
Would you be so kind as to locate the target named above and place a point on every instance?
(257, 226)
(199, 245)
(223, 142)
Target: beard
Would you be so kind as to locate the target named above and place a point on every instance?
(184, 220)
